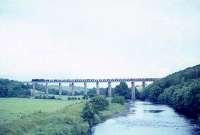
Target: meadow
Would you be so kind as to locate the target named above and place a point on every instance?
(24, 116)
(15, 108)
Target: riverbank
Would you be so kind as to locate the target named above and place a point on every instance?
(63, 121)
(180, 90)
(114, 110)
(146, 118)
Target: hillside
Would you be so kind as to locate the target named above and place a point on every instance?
(181, 90)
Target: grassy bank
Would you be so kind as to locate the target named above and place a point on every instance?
(46, 117)
(113, 108)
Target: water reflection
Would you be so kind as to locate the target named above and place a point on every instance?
(153, 111)
(147, 119)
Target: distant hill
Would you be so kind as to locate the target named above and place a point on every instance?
(181, 90)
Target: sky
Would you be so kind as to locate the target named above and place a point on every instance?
(66, 39)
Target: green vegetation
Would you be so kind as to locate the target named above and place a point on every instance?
(22, 116)
(63, 122)
(181, 90)
(118, 99)
(54, 89)
(74, 98)
(184, 97)
(99, 103)
(52, 114)
(91, 111)
(36, 117)
(122, 90)
(15, 108)
(9, 88)
(45, 97)
(113, 108)
(98, 109)
(89, 114)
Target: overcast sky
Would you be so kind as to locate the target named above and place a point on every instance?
(97, 39)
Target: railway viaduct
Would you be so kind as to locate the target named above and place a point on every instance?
(97, 81)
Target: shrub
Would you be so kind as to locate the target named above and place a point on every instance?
(59, 98)
(51, 97)
(88, 114)
(118, 99)
(44, 97)
(38, 97)
(99, 103)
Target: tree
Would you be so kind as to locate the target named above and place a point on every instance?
(88, 114)
(181, 90)
(122, 90)
(99, 103)
(9, 88)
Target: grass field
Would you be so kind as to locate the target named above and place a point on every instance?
(14, 108)
(21, 116)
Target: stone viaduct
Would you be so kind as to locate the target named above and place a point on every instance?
(97, 81)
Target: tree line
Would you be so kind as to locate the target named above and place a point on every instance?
(10, 88)
(181, 90)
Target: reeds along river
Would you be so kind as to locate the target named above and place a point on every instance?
(145, 118)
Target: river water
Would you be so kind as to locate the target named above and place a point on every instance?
(145, 118)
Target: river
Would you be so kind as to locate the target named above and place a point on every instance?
(145, 118)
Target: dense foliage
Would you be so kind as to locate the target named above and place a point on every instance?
(9, 88)
(185, 97)
(122, 90)
(99, 103)
(44, 97)
(118, 99)
(181, 90)
(90, 112)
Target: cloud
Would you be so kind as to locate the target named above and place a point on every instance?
(70, 39)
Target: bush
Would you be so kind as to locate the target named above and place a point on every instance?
(59, 98)
(74, 98)
(45, 97)
(88, 114)
(38, 97)
(51, 97)
(99, 103)
(118, 99)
